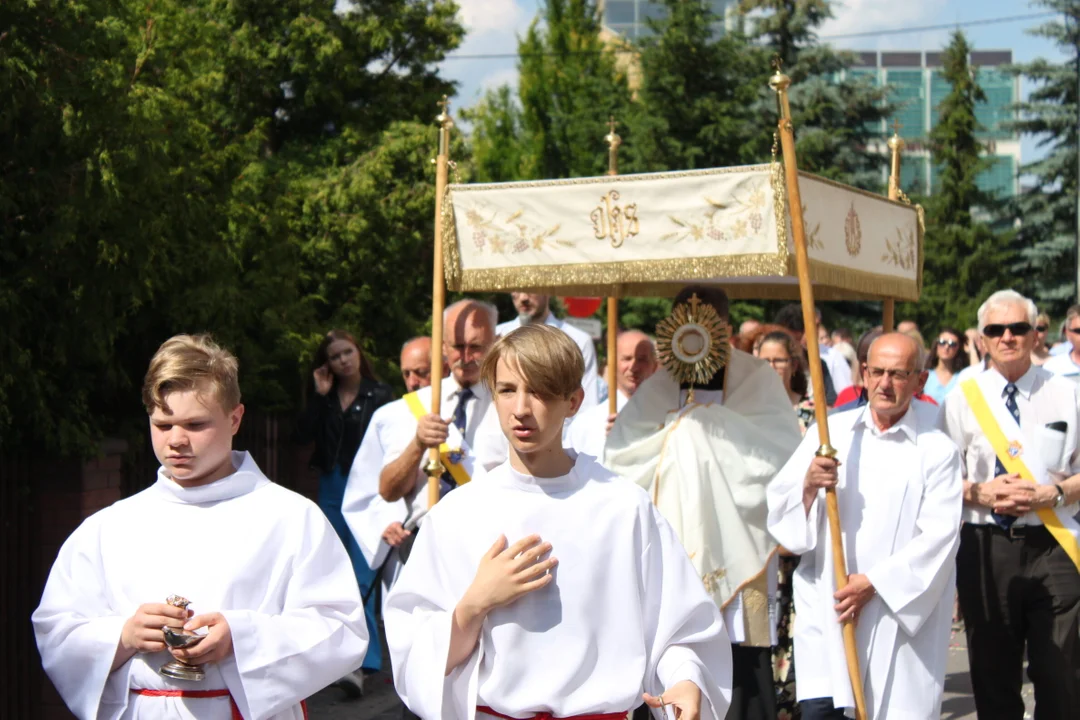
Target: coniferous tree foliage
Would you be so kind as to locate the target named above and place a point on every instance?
(965, 260)
(835, 116)
(1046, 207)
(694, 107)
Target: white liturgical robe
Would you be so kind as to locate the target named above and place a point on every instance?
(900, 496)
(626, 612)
(263, 556)
(588, 430)
(707, 464)
(367, 514)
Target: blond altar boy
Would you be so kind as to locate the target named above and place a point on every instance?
(552, 588)
(270, 586)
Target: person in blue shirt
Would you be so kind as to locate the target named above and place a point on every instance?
(948, 357)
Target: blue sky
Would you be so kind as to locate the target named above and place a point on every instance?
(494, 26)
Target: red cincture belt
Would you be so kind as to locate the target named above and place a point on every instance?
(548, 716)
(202, 694)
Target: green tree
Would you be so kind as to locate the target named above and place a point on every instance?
(836, 115)
(694, 108)
(568, 87)
(190, 166)
(1047, 238)
(965, 260)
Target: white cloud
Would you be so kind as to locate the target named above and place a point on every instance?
(861, 16)
(484, 16)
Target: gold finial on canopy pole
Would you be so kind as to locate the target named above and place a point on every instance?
(780, 83)
(613, 141)
(896, 146)
(434, 467)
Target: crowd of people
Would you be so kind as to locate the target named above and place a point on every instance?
(672, 557)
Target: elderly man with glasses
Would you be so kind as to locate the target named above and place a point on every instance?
(897, 478)
(1017, 567)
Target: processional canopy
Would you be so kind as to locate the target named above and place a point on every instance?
(651, 234)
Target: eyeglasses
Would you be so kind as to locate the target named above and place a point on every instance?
(1042, 328)
(894, 374)
(944, 342)
(777, 362)
(1017, 329)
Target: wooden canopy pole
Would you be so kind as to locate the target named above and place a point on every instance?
(613, 141)
(896, 145)
(434, 467)
(780, 83)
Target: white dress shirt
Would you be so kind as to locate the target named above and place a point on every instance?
(1042, 398)
(1064, 366)
(482, 434)
(589, 381)
(839, 368)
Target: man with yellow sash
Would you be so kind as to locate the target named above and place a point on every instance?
(469, 440)
(1017, 568)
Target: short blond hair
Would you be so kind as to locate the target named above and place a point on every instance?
(191, 362)
(548, 360)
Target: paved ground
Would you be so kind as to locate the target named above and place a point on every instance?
(380, 702)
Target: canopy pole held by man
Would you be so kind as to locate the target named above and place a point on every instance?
(434, 467)
(613, 140)
(780, 83)
(896, 145)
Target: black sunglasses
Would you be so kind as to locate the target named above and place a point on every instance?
(1016, 328)
(944, 342)
(1042, 328)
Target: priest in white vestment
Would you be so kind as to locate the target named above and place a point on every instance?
(270, 585)
(899, 487)
(706, 464)
(536, 309)
(585, 603)
(636, 361)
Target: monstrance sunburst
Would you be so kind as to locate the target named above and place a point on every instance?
(693, 343)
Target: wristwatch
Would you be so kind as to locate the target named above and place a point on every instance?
(1059, 501)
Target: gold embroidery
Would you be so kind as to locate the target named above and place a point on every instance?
(510, 235)
(614, 223)
(711, 580)
(902, 252)
(852, 232)
(709, 226)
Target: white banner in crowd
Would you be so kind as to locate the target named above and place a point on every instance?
(649, 234)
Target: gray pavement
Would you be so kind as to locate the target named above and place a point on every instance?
(380, 702)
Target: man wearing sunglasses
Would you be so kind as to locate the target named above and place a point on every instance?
(1068, 364)
(1017, 568)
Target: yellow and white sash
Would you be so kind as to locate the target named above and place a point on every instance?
(1021, 456)
(461, 470)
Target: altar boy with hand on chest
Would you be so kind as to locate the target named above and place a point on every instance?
(552, 588)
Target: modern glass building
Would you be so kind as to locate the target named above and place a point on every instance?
(629, 18)
(917, 87)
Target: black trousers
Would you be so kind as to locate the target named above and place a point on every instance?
(753, 694)
(820, 709)
(1017, 590)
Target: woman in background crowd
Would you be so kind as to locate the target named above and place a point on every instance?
(347, 394)
(947, 358)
